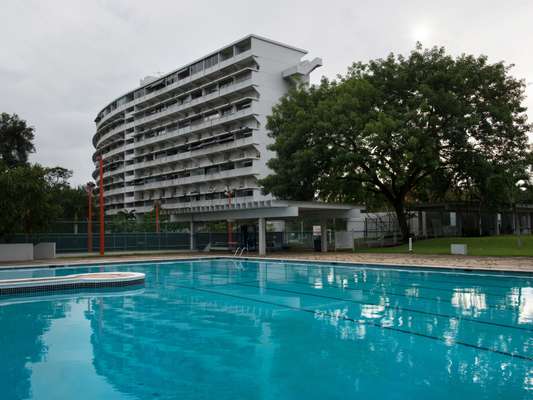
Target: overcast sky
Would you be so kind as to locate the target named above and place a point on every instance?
(62, 61)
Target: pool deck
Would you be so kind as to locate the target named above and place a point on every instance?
(509, 264)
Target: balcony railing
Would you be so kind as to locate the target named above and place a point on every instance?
(161, 92)
(177, 108)
(232, 173)
(220, 148)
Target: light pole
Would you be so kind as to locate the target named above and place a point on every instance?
(229, 193)
(156, 206)
(101, 201)
(89, 188)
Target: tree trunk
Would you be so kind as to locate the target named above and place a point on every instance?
(402, 220)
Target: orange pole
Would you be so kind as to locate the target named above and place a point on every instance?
(101, 197)
(157, 216)
(90, 221)
(230, 228)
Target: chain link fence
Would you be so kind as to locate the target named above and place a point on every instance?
(73, 237)
(140, 241)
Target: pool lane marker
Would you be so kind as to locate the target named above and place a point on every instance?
(393, 308)
(360, 322)
(359, 269)
(379, 288)
(399, 285)
(413, 269)
(415, 285)
(465, 283)
(377, 285)
(457, 290)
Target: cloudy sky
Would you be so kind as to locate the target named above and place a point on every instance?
(61, 61)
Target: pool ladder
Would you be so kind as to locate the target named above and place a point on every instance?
(239, 251)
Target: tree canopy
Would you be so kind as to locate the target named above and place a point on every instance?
(32, 196)
(26, 202)
(16, 140)
(401, 128)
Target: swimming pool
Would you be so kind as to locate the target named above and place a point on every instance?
(244, 329)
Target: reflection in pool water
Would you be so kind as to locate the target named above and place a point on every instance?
(469, 301)
(249, 330)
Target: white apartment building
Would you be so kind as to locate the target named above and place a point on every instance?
(189, 138)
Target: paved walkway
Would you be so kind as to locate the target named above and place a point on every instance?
(518, 264)
(80, 259)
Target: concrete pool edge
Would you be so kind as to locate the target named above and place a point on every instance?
(497, 270)
(449, 268)
(74, 281)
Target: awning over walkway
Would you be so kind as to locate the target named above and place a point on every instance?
(274, 209)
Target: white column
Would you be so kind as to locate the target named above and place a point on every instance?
(323, 236)
(262, 236)
(191, 230)
(424, 224)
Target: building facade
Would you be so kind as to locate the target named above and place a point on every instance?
(194, 140)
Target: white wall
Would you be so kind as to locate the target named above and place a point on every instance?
(16, 252)
(43, 251)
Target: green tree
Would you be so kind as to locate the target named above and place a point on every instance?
(58, 177)
(26, 202)
(123, 221)
(395, 126)
(15, 140)
(73, 201)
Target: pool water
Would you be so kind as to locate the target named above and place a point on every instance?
(236, 329)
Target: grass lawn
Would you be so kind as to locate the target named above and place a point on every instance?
(477, 246)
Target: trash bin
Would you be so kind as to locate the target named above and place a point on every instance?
(317, 243)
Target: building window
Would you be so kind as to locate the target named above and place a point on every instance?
(225, 111)
(244, 193)
(226, 53)
(198, 67)
(243, 46)
(210, 61)
(225, 83)
(210, 89)
(196, 95)
(243, 77)
(183, 73)
(244, 105)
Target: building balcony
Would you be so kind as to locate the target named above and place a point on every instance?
(179, 108)
(112, 192)
(232, 173)
(207, 74)
(98, 140)
(221, 148)
(179, 206)
(197, 128)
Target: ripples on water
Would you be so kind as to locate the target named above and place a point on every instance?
(248, 330)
